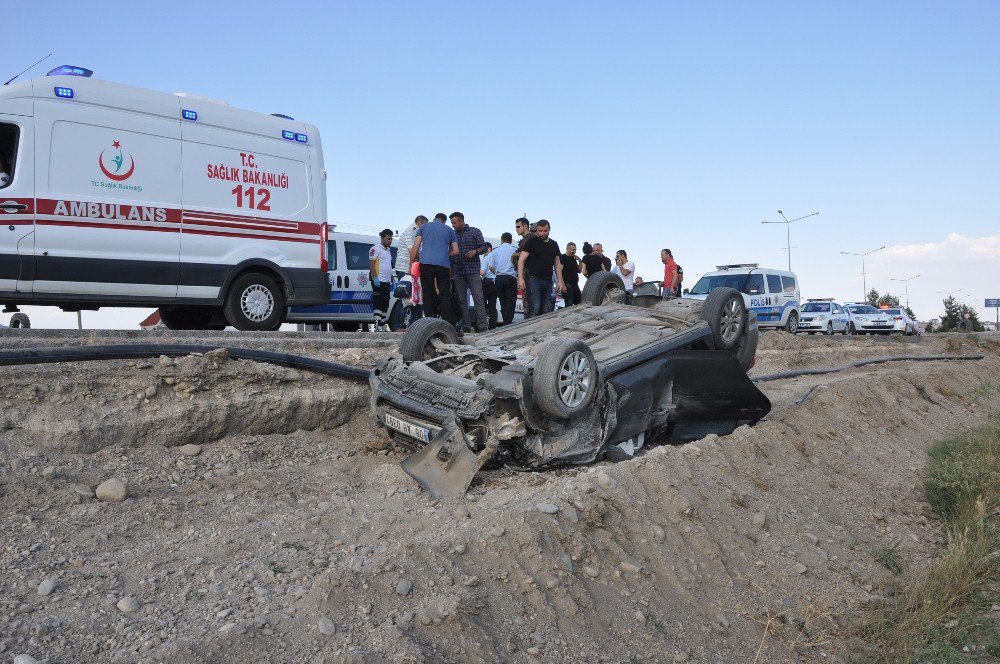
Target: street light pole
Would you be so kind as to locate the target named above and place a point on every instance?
(788, 231)
(906, 286)
(864, 279)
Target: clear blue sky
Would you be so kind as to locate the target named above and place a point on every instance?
(641, 125)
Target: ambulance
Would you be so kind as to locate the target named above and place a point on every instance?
(119, 196)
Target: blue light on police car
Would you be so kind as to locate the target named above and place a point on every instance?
(64, 93)
(189, 115)
(288, 135)
(301, 138)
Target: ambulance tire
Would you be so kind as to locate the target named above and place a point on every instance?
(254, 303)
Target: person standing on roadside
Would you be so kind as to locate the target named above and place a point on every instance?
(380, 274)
(404, 244)
(434, 245)
(671, 275)
(465, 271)
(591, 262)
(571, 267)
(489, 286)
(523, 228)
(625, 269)
(605, 261)
(500, 264)
(539, 257)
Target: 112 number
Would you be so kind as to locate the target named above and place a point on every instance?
(257, 199)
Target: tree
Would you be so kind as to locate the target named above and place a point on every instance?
(955, 313)
(872, 298)
(909, 312)
(887, 300)
(929, 329)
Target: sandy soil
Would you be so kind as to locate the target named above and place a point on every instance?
(267, 518)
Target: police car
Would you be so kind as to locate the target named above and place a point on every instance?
(865, 319)
(823, 315)
(772, 294)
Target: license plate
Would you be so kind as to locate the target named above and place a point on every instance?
(411, 430)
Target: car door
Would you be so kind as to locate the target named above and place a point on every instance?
(838, 317)
(17, 205)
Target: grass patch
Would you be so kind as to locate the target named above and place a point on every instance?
(944, 614)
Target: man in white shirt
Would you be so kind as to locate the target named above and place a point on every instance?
(489, 286)
(380, 272)
(625, 269)
(403, 245)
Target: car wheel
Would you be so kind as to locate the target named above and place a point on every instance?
(603, 288)
(20, 320)
(726, 314)
(746, 352)
(792, 324)
(850, 329)
(829, 329)
(417, 344)
(254, 303)
(565, 378)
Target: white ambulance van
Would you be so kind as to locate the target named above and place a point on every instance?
(119, 196)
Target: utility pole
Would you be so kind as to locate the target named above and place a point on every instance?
(788, 231)
(864, 280)
(906, 286)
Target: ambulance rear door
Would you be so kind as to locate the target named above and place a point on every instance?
(108, 192)
(17, 199)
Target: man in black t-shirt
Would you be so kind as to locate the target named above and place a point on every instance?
(571, 274)
(539, 257)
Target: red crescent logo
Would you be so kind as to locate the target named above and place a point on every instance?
(116, 178)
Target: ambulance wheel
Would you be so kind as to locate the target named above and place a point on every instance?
(254, 303)
(20, 320)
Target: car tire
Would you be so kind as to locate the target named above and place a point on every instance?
(20, 320)
(850, 329)
(746, 352)
(415, 346)
(792, 324)
(829, 329)
(565, 378)
(254, 303)
(726, 314)
(603, 288)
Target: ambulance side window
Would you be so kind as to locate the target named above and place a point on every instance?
(773, 283)
(8, 153)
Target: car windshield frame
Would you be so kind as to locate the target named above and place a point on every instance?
(866, 309)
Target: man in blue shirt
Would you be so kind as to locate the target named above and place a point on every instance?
(499, 263)
(435, 244)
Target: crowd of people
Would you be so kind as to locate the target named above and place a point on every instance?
(453, 273)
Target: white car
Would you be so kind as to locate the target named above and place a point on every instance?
(823, 315)
(866, 319)
(901, 321)
(771, 294)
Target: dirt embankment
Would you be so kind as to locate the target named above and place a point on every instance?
(291, 534)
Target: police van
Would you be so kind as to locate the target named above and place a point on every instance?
(351, 303)
(772, 294)
(120, 196)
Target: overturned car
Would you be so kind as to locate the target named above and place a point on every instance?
(602, 378)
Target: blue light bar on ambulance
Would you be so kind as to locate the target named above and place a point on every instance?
(288, 135)
(301, 138)
(64, 93)
(70, 70)
(189, 115)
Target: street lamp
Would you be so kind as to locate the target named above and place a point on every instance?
(788, 228)
(906, 286)
(864, 280)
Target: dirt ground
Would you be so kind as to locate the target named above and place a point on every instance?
(267, 518)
